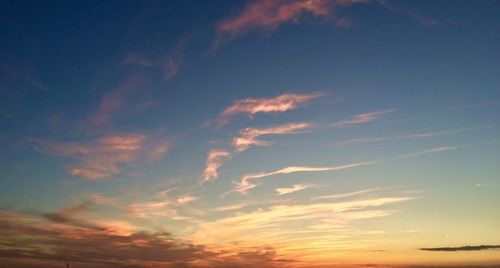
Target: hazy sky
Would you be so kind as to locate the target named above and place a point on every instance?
(266, 133)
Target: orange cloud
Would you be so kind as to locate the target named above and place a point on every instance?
(114, 243)
(248, 136)
(298, 231)
(246, 183)
(269, 15)
(215, 159)
(251, 106)
(103, 157)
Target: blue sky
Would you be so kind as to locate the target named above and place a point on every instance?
(139, 118)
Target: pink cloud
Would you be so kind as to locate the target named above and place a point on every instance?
(269, 15)
(248, 136)
(252, 106)
(215, 159)
(116, 100)
(102, 158)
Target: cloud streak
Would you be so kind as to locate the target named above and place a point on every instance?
(102, 158)
(248, 182)
(248, 136)
(464, 248)
(430, 151)
(362, 118)
(252, 106)
(293, 189)
(344, 195)
(298, 230)
(416, 136)
(269, 15)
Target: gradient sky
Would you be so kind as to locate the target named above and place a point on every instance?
(319, 133)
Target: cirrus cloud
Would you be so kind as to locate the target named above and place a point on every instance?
(252, 106)
(247, 182)
(101, 158)
(269, 15)
(248, 136)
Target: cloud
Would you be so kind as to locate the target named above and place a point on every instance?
(416, 136)
(339, 196)
(362, 118)
(247, 182)
(476, 105)
(464, 248)
(121, 99)
(27, 237)
(102, 158)
(299, 230)
(248, 136)
(154, 209)
(169, 63)
(186, 199)
(30, 240)
(252, 106)
(430, 151)
(15, 74)
(215, 159)
(295, 188)
(426, 21)
(269, 15)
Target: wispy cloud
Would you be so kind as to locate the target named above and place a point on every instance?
(17, 74)
(416, 136)
(248, 182)
(169, 63)
(214, 161)
(248, 136)
(293, 189)
(476, 105)
(186, 199)
(464, 248)
(362, 118)
(269, 15)
(154, 209)
(252, 106)
(430, 151)
(426, 21)
(345, 195)
(309, 230)
(102, 158)
(119, 99)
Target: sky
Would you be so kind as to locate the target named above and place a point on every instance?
(261, 133)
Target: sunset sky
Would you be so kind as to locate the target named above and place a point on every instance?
(261, 133)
